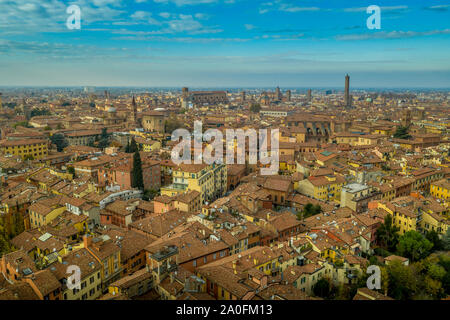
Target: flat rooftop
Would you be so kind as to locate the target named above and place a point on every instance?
(355, 187)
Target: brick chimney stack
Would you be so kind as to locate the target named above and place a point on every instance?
(87, 240)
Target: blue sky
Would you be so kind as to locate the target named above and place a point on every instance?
(229, 43)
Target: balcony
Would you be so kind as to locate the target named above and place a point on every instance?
(165, 253)
(163, 269)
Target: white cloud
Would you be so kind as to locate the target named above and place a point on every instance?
(50, 15)
(387, 8)
(165, 15)
(181, 3)
(391, 35)
(279, 5)
(181, 23)
(202, 16)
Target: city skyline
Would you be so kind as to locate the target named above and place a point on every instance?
(208, 43)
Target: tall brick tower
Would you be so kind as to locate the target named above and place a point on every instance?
(278, 94)
(133, 111)
(347, 101)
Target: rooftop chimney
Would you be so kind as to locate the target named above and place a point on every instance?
(87, 241)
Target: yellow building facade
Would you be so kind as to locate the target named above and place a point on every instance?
(441, 190)
(209, 180)
(27, 149)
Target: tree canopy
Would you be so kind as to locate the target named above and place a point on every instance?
(446, 240)
(173, 124)
(138, 180)
(402, 133)
(60, 141)
(255, 108)
(322, 288)
(309, 210)
(131, 147)
(387, 234)
(433, 237)
(402, 281)
(40, 112)
(103, 141)
(22, 124)
(414, 245)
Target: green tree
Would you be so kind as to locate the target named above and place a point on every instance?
(60, 141)
(444, 261)
(309, 210)
(387, 234)
(322, 288)
(40, 112)
(104, 139)
(446, 240)
(138, 180)
(402, 282)
(132, 147)
(21, 124)
(5, 247)
(436, 271)
(171, 125)
(433, 237)
(18, 225)
(255, 108)
(414, 245)
(432, 287)
(402, 133)
(71, 170)
(342, 293)
(150, 194)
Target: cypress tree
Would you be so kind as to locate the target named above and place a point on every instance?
(133, 146)
(4, 243)
(138, 180)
